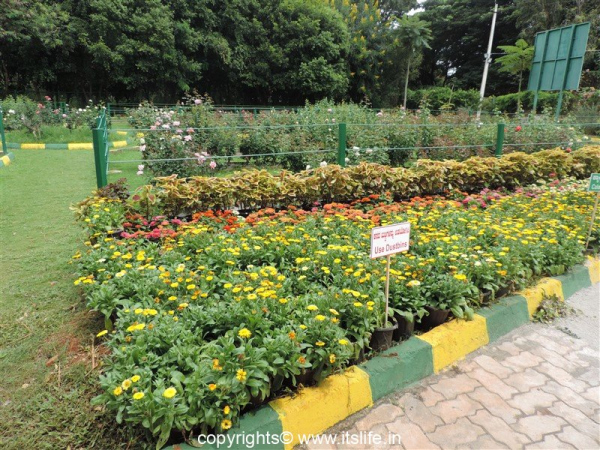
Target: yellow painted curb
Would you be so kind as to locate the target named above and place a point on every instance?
(80, 146)
(314, 410)
(535, 294)
(122, 133)
(117, 144)
(594, 268)
(6, 160)
(456, 339)
(33, 146)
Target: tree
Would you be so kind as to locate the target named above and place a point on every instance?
(516, 61)
(415, 35)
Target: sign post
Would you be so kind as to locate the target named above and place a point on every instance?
(386, 241)
(594, 186)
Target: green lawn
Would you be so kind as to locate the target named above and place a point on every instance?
(46, 332)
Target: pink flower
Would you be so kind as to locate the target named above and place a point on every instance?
(190, 130)
(48, 98)
(518, 128)
(569, 150)
(200, 158)
(187, 137)
(153, 127)
(176, 123)
(142, 149)
(166, 126)
(213, 165)
(178, 131)
(379, 114)
(197, 101)
(141, 167)
(64, 116)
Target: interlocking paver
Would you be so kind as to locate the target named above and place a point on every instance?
(571, 398)
(462, 432)
(577, 419)
(561, 376)
(526, 380)
(493, 366)
(451, 410)
(530, 402)
(499, 429)
(492, 383)
(523, 359)
(418, 413)
(452, 385)
(551, 442)
(579, 440)
(538, 425)
(383, 413)
(495, 405)
(413, 437)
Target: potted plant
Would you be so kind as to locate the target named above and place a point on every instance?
(445, 294)
(383, 334)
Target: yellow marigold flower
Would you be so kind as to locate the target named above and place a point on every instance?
(212, 386)
(226, 424)
(135, 378)
(209, 278)
(334, 312)
(283, 301)
(216, 365)
(126, 384)
(244, 333)
(190, 287)
(172, 298)
(226, 410)
(241, 375)
(138, 396)
(117, 391)
(319, 343)
(170, 392)
(343, 342)
(413, 283)
(301, 359)
(332, 358)
(174, 285)
(460, 276)
(227, 285)
(102, 333)
(320, 317)
(183, 305)
(292, 335)
(312, 307)
(303, 327)
(358, 304)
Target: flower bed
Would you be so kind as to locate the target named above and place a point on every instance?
(215, 315)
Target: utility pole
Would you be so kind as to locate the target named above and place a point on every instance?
(488, 60)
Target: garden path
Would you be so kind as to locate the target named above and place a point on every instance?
(537, 387)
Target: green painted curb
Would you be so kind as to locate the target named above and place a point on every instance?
(57, 146)
(399, 366)
(13, 145)
(575, 279)
(257, 423)
(509, 313)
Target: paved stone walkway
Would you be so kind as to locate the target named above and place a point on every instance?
(538, 387)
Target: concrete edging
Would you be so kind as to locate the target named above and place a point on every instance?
(69, 146)
(6, 159)
(315, 409)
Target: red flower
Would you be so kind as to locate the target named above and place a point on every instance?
(518, 128)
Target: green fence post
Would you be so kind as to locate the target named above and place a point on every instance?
(2, 135)
(499, 140)
(100, 153)
(341, 159)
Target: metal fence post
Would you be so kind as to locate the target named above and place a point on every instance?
(2, 135)
(99, 140)
(499, 140)
(341, 159)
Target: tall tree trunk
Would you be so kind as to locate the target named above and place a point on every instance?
(406, 81)
(519, 91)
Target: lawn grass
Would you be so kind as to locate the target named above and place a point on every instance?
(57, 135)
(46, 332)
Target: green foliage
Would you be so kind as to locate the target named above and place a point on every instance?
(517, 59)
(552, 308)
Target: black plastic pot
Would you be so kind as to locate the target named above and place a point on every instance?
(505, 290)
(305, 378)
(485, 297)
(405, 328)
(382, 338)
(435, 317)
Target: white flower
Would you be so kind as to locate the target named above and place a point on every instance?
(142, 141)
(355, 148)
(347, 160)
(11, 111)
(307, 167)
(323, 164)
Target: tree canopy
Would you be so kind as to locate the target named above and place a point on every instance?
(264, 51)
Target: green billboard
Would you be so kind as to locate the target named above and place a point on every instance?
(558, 59)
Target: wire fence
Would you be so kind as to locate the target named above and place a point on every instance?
(489, 139)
